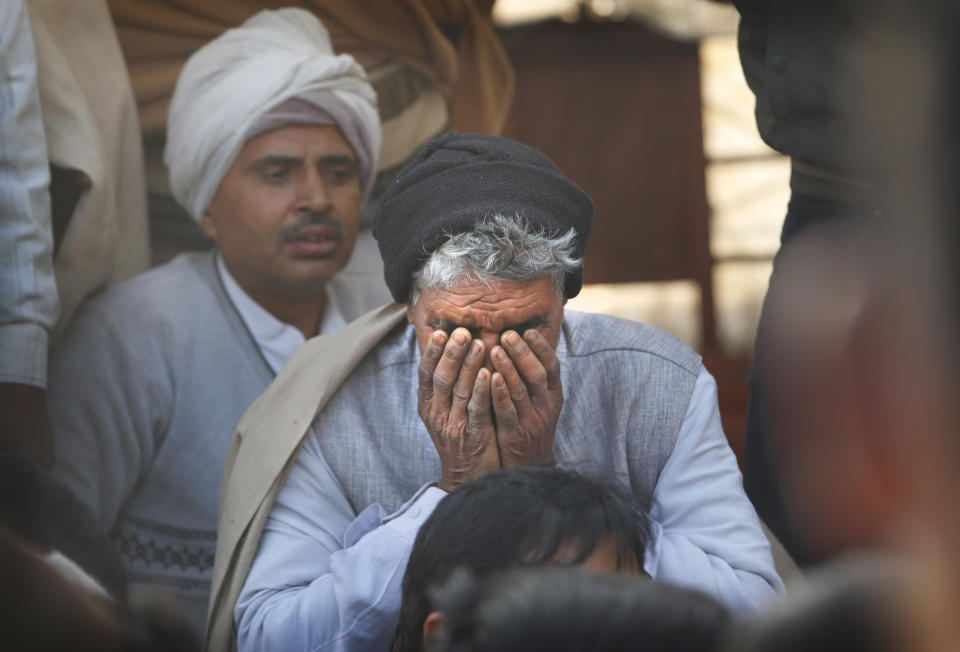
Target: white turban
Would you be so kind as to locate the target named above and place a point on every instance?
(236, 79)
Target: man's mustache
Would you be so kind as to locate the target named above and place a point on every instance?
(290, 232)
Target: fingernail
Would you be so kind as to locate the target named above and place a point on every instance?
(530, 335)
(438, 338)
(459, 337)
(511, 338)
(501, 356)
(475, 348)
(498, 381)
(482, 375)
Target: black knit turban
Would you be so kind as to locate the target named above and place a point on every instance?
(454, 181)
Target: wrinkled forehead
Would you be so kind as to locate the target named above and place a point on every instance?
(492, 305)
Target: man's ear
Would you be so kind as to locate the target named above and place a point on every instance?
(431, 626)
(208, 226)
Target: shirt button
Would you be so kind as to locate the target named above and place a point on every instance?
(779, 62)
(414, 512)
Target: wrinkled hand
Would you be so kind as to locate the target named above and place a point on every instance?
(453, 400)
(527, 398)
(24, 426)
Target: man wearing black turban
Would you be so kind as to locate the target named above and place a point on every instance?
(335, 467)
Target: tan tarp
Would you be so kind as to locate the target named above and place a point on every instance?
(449, 42)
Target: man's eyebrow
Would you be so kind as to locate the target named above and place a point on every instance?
(448, 325)
(277, 160)
(337, 159)
(442, 324)
(280, 160)
(527, 325)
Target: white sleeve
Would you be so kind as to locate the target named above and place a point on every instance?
(706, 533)
(323, 577)
(28, 293)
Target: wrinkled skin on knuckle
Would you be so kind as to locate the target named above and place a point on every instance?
(538, 377)
(424, 373)
(435, 426)
(442, 384)
(521, 355)
(452, 354)
(519, 394)
(475, 412)
(423, 406)
(461, 393)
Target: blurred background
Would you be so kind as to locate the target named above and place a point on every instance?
(644, 104)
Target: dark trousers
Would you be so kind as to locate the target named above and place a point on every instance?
(760, 469)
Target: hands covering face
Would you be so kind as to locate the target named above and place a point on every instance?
(481, 421)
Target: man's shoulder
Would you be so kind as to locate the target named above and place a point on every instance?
(161, 301)
(393, 359)
(164, 289)
(587, 334)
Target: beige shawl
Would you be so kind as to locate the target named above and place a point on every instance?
(263, 450)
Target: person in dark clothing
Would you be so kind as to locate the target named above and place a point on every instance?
(860, 348)
(804, 62)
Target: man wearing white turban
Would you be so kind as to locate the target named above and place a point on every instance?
(272, 147)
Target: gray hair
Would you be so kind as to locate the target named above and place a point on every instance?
(499, 248)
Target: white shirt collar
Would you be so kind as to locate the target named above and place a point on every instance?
(276, 340)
